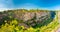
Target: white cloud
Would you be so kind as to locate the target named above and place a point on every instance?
(2, 7)
(32, 6)
(28, 6)
(57, 7)
(5, 4)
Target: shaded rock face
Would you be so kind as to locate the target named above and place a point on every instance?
(52, 14)
(2, 18)
(23, 24)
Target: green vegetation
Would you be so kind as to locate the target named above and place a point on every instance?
(13, 27)
(11, 24)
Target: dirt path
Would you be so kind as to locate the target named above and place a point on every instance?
(58, 27)
(59, 16)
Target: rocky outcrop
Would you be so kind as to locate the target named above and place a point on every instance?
(29, 18)
(32, 18)
(29, 15)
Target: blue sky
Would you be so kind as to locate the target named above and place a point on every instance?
(30, 4)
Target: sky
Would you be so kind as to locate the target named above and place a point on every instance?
(30, 4)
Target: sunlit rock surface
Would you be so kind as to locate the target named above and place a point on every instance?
(30, 18)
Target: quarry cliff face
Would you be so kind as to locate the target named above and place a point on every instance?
(29, 15)
(28, 18)
(32, 18)
(25, 15)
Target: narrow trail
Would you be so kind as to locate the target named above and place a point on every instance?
(57, 29)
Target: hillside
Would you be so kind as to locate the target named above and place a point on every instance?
(28, 18)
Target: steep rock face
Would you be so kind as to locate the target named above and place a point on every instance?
(40, 15)
(24, 16)
(29, 15)
(32, 18)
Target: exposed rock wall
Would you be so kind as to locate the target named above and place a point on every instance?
(30, 18)
(29, 15)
